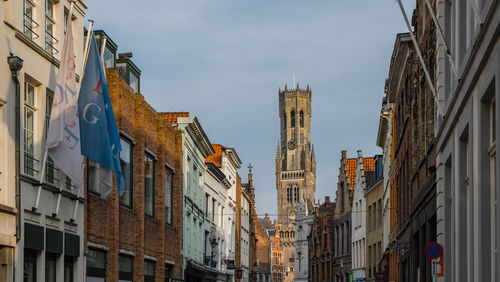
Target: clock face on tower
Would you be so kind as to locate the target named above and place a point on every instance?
(292, 145)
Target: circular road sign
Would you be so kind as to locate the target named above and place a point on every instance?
(434, 250)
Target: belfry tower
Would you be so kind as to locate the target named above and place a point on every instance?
(295, 165)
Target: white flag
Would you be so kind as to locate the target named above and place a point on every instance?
(63, 137)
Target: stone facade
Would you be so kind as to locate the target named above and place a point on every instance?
(374, 210)
(384, 141)
(321, 243)
(359, 214)
(36, 207)
(295, 165)
(342, 218)
(304, 218)
(466, 133)
(196, 147)
(122, 229)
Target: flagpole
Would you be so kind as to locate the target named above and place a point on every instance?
(82, 74)
(84, 60)
(44, 159)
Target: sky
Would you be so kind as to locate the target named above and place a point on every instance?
(224, 60)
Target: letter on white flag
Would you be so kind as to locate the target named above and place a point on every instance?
(63, 137)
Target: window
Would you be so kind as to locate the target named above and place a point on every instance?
(50, 267)
(126, 163)
(149, 271)
(213, 210)
(284, 120)
(50, 40)
(207, 197)
(301, 118)
(168, 270)
(109, 58)
(134, 82)
(93, 176)
(292, 118)
(29, 122)
(29, 23)
(126, 268)
(96, 265)
(297, 194)
(169, 178)
(68, 269)
(149, 185)
(50, 168)
(29, 265)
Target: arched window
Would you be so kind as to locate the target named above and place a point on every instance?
(292, 118)
(284, 119)
(287, 235)
(301, 118)
(281, 234)
(296, 195)
(293, 234)
(289, 194)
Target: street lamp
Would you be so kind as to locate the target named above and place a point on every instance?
(15, 63)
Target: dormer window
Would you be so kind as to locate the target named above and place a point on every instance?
(110, 49)
(129, 71)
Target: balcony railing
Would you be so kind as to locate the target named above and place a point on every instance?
(51, 171)
(29, 164)
(29, 26)
(50, 42)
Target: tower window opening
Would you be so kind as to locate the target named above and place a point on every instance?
(292, 118)
(284, 120)
(301, 118)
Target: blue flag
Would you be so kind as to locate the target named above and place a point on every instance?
(100, 141)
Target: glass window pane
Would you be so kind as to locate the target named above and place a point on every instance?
(50, 267)
(29, 94)
(126, 264)
(126, 164)
(68, 269)
(109, 58)
(96, 259)
(134, 82)
(49, 9)
(149, 268)
(168, 198)
(149, 185)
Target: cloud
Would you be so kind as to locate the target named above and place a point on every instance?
(223, 60)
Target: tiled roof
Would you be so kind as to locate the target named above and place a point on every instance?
(171, 117)
(216, 158)
(368, 165)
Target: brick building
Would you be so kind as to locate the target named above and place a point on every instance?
(321, 246)
(137, 236)
(263, 249)
(398, 132)
(413, 167)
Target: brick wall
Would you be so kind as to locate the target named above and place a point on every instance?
(118, 227)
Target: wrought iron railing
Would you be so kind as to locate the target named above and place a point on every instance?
(29, 25)
(50, 42)
(29, 164)
(51, 171)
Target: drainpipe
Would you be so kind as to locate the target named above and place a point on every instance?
(15, 65)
